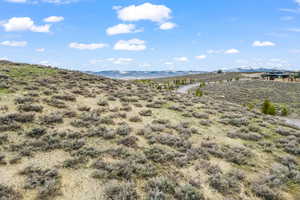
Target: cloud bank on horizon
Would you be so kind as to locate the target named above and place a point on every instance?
(151, 35)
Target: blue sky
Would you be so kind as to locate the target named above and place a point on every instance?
(151, 35)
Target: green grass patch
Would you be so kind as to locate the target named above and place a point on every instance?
(31, 71)
(4, 91)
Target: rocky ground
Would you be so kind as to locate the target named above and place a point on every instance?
(69, 135)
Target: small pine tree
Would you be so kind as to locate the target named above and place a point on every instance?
(199, 93)
(202, 84)
(272, 110)
(250, 106)
(284, 111)
(268, 108)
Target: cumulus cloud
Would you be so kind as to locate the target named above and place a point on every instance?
(211, 51)
(120, 61)
(42, 1)
(167, 26)
(263, 44)
(24, 24)
(3, 58)
(232, 51)
(92, 46)
(17, 1)
(146, 11)
(40, 49)
(295, 51)
(59, 1)
(201, 57)
(297, 30)
(131, 45)
(122, 29)
(181, 59)
(117, 61)
(287, 18)
(54, 19)
(14, 43)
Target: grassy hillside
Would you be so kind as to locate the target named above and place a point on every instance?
(254, 92)
(69, 135)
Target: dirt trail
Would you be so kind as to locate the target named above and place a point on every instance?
(184, 89)
(292, 122)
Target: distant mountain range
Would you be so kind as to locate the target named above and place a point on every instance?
(143, 74)
(159, 74)
(255, 69)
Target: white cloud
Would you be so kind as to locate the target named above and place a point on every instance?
(116, 7)
(287, 18)
(167, 26)
(297, 30)
(41, 29)
(181, 59)
(14, 43)
(44, 62)
(201, 57)
(276, 60)
(263, 44)
(298, 2)
(17, 1)
(24, 24)
(40, 50)
(232, 51)
(42, 1)
(211, 51)
(3, 58)
(117, 61)
(168, 63)
(122, 29)
(295, 51)
(120, 61)
(130, 45)
(54, 19)
(146, 11)
(145, 65)
(95, 61)
(59, 1)
(297, 11)
(92, 46)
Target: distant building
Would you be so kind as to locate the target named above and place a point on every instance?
(277, 74)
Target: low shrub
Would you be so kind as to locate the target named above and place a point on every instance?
(8, 193)
(135, 119)
(146, 113)
(52, 118)
(284, 112)
(65, 97)
(228, 183)
(188, 192)
(36, 132)
(47, 182)
(268, 108)
(198, 92)
(115, 190)
(30, 108)
(123, 130)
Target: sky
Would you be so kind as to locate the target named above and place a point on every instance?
(199, 35)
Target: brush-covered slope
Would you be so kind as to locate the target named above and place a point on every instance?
(69, 135)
